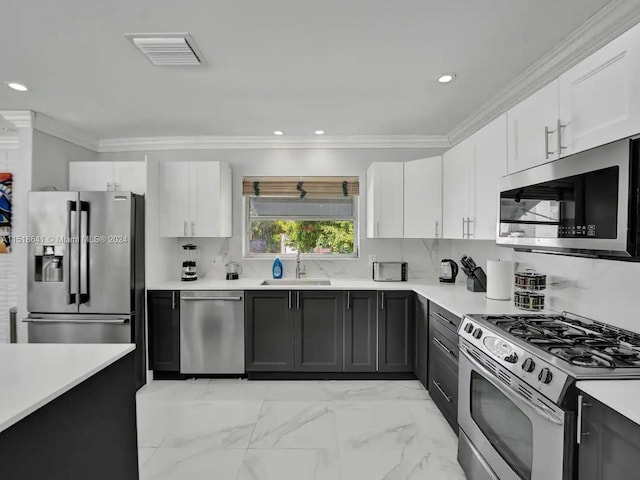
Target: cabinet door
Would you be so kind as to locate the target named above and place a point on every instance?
(526, 122)
(456, 173)
(422, 340)
(91, 176)
(396, 331)
(385, 200)
(269, 331)
(360, 313)
(174, 199)
(600, 98)
(490, 163)
(163, 315)
(318, 331)
(204, 203)
(130, 177)
(609, 445)
(423, 198)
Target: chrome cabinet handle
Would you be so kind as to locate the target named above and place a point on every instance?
(444, 319)
(469, 221)
(185, 228)
(298, 299)
(348, 300)
(382, 301)
(547, 132)
(173, 300)
(289, 299)
(443, 347)
(436, 236)
(559, 130)
(193, 228)
(579, 432)
(462, 227)
(446, 397)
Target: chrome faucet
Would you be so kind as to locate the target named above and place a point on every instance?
(300, 270)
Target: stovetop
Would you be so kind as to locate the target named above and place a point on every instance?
(549, 352)
(579, 342)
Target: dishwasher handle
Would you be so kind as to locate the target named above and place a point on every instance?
(230, 299)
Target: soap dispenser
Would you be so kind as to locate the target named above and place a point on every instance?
(276, 269)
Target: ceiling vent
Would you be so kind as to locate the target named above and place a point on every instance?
(173, 49)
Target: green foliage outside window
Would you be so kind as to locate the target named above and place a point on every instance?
(319, 237)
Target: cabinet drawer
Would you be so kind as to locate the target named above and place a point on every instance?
(441, 339)
(443, 387)
(444, 316)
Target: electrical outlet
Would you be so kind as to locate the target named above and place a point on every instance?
(218, 260)
(372, 259)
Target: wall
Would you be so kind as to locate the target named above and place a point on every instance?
(164, 255)
(51, 157)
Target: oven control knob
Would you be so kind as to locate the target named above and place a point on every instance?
(477, 333)
(468, 327)
(528, 365)
(545, 375)
(513, 358)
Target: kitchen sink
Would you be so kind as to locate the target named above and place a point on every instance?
(293, 281)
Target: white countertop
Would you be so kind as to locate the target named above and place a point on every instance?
(623, 396)
(454, 297)
(33, 374)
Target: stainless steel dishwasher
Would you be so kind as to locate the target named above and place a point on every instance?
(212, 332)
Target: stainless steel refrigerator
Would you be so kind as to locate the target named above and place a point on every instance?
(86, 270)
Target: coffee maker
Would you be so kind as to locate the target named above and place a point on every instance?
(189, 272)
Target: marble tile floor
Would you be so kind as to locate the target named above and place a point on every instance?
(295, 430)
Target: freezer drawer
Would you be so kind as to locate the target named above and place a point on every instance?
(79, 328)
(212, 332)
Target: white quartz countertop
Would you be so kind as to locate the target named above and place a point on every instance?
(31, 375)
(623, 396)
(454, 297)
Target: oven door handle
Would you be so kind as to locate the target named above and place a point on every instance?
(542, 410)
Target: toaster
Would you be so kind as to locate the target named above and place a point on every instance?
(390, 271)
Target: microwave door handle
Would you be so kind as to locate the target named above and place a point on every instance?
(70, 241)
(84, 252)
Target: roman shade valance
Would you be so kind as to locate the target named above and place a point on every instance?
(302, 187)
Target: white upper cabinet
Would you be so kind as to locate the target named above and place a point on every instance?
(457, 164)
(532, 130)
(108, 177)
(385, 200)
(423, 198)
(195, 199)
(490, 163)
(600, 98)
(470, 173)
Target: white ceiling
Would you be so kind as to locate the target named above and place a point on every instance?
(349, 67)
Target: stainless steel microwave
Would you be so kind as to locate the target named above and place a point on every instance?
(585, 204)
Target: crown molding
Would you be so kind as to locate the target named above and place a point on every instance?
(63, 131)
(269, 142)
(9, 142)
(608, 23)
(19, 118)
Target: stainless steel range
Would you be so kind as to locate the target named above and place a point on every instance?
(518, 404)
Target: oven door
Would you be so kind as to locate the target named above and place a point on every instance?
(514, 438)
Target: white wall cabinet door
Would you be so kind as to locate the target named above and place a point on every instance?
(174, 217)
(490, 163)
(423, 198)
(130, 177)
(600, 98)
(457, 164)
(91, 176)
(385, 200)
(204, 179)
(532, 129)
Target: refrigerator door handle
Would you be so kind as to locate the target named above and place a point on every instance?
(84, 253)
(71, 292)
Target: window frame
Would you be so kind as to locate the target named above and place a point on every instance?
(246, 250)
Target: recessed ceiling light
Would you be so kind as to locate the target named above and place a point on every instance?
(447, 77)
(17, 86)
(278, 132)
(319, 132)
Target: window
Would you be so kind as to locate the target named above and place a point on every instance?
(322, 226)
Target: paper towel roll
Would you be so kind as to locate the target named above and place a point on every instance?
(499, 280)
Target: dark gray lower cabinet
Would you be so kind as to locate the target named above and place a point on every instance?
(360, 334)
(163, 313)
(269, 331)
(609, 445)
(318, 331)
(396, 331)
(422, 340)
